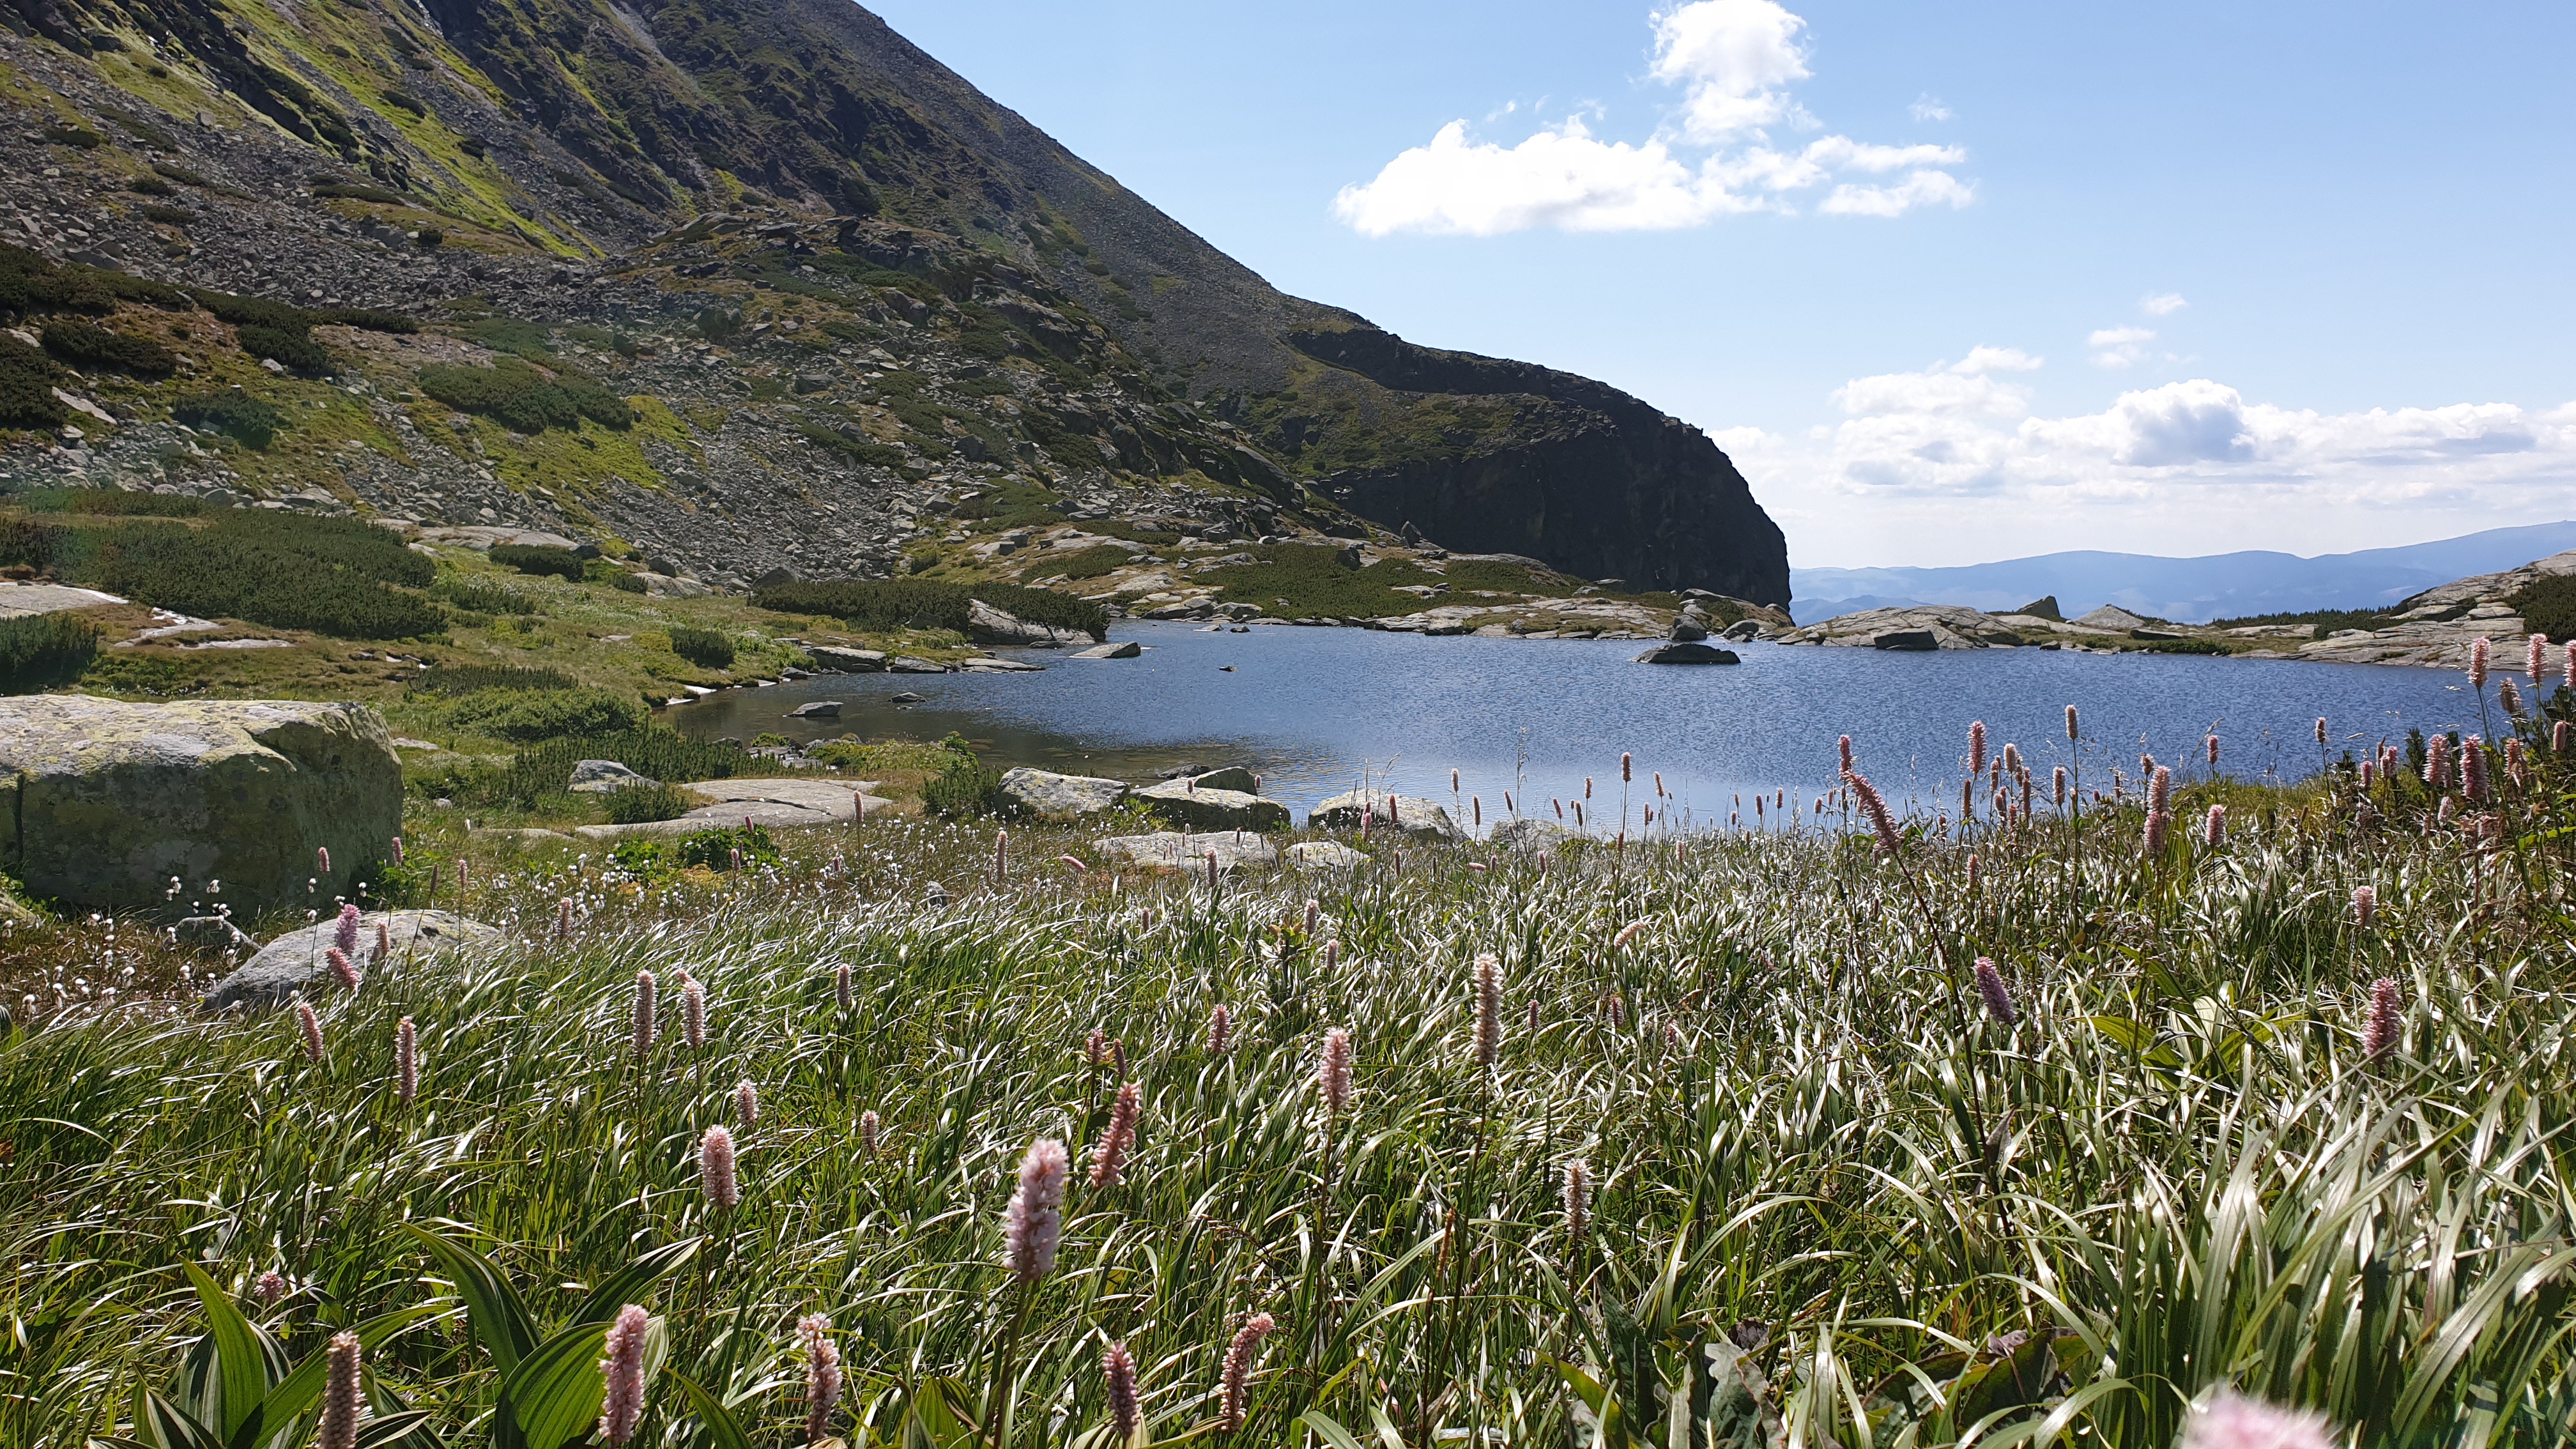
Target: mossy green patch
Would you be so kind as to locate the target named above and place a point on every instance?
(584, 459)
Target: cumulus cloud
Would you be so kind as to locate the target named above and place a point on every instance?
(2188, 466)
(2119, 346)
(1929, 108)
(1735, 61)
(2162, 304)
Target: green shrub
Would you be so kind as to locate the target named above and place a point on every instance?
(886, 604)
(641, 857)
(715, 849)
(27, 381)
(297, 350)
(525, 400)
(84, 345)
(545, 769)
(1314, 581)
(150, 186)
(286, 570)
(39, 651)
(543, 714)
(1097, 561)
(455, 679)
(2548, 605)
(430, 237)
(625, 582)
(81, 137)
(486, 598)
(967, 787)
(245, 419)
(352, 191)
(112, 502)
(31, 282)
(637, 804)
(531, 558)
(703, 647)
(169, 215)
(181, 174)
(854, 445)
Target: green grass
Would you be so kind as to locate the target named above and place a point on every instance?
(40, 651)
(283, 569)
(920, 604)
(1314, 583)
(1815, 1162)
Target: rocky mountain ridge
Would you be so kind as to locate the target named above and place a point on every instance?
(851, 302)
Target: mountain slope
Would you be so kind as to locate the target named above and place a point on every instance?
(2231, 585)
(630, 170)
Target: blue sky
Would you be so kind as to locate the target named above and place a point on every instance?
(1950, 283)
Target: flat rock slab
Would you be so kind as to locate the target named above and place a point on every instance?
(1324, 855)
(294, 964)
(1046, 793)
(847, 661)
(816, 709)
(108, 801)
(1413, 816)
(17, 599)
(988, 625)
(1174, 850)
(1123, 649)
(775, 804)
(906, 664)
(999, 666)
(599, 777)
(1231, 777)
(1184, 803)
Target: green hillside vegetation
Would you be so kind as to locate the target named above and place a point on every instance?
(289, 570)
(923, 604)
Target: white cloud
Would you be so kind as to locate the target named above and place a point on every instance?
(2185, 467)
(2119, 346)
(1929, 108)
(1982, 358)
(1735, 59)
(2162, 304)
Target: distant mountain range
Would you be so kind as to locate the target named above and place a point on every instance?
(2186, 590)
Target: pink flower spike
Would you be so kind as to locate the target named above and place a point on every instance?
(2386, 1024)
(2478, 649)
(622, 1372)
(2214, 831)
(384, 944)
(342, 966)
(643, 1015)
(1034, 1224)
(746, 1104)
(2232, 1421)
(2536, 662)
(1977, 748)
(1220, 1030)
(341, 1397)
(322, 858)
(1109, 1159)
(406, 1062)
(1238, 1369)
(1126, 1413)
(1990, 985)
(345, 931)
(2365, 904)
(822, 1374)
(311, 1027)
(716, 1169)
(1333, 1072)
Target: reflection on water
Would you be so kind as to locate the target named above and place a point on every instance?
(1312, 709)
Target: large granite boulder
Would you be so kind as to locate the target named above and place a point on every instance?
(1416, 817)
(293, 964)
(111, 800)
(846, 661)
(988, 625)
(1174, 850)
(1186, 804)
(1684, 651)
(1049, 795)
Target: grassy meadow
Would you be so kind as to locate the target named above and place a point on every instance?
(1731, 1143)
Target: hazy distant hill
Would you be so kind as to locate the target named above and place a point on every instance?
(2189, 590)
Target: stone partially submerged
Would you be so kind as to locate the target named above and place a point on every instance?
(108, 801)
(1188, 804)
(295, 964)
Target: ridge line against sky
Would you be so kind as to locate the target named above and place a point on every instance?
(2002, 281)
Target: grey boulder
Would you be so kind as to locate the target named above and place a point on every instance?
(1686, 652)
(988, 625)
(1123, 649)
(599, 777)
(294, 963)
(1048, 794)
(816, 709)
(109, 800)
(847, 661)
(1906, 640)
(1324, 855)
(1175, 850)
(1186, 803)
(1415, 817)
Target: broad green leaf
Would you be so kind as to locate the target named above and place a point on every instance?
(1328, 1429)
(241, 1363)
(721, 1430)
(553, 1396)
(501, 1321)
(168, 1426)
(385, 1431)
(627, 1284)
(297, 1391)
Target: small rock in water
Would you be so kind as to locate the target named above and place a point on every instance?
(816, 709)
(905, 697)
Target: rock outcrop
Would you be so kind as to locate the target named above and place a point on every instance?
(1192, 806)
(1687, 652)
(1414, 816)
(1051, 796)
(1927, 626)
(294, 963)
(103, 803)
(1176, 850)
(988, 625)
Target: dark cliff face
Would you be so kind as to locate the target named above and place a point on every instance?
(1562, 468)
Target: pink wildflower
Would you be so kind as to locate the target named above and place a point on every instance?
(643, 1015)
(1035, 1222)
(345, 931)
(716, 1169)
(746, 1104)
(2365, 904)
(2232, 1421)
(622, 1370)
(341, 1397)
(871, 1127)
(1977, 747)
(1109, 1159)
(2213, 832)
(2478, 663)
(1990, 985)
(342, 966)
(311, 1026)
(1333, 1071)
(2384, 1026)
(1126, 1414)
(822, 1374)
(406, 1061)
(1238, 1369)
(1220, 1029)
(1489, 1010)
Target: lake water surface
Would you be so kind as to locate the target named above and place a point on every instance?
(1313, 710)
